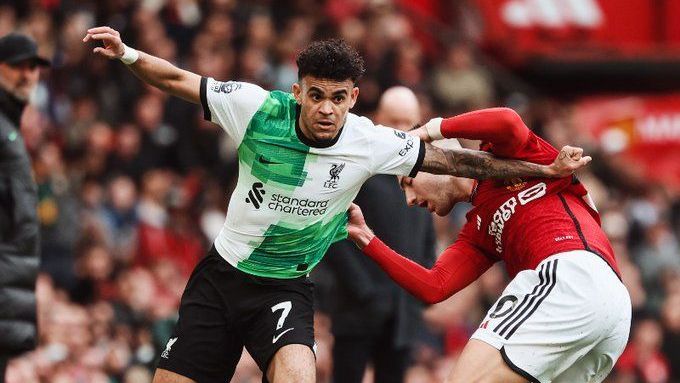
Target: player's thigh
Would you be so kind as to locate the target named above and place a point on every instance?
(292, 363)
(599, 362)
(592, 368)
(550, 318)
(482, 363)
(283, 315)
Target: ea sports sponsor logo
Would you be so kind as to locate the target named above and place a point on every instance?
(255, 195)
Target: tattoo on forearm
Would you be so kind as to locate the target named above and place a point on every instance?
(476, 164)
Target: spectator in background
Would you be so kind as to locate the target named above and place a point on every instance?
(671, 320)
(19, 231)
(373, 319)
(459, 84)
(57, 215)
(164, 234)
(642, 359)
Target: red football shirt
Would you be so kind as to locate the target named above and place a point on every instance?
(521, 221)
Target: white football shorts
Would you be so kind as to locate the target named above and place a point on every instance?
(567, 321)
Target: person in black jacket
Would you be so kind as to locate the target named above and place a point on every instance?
(19, 247)
(373, 320)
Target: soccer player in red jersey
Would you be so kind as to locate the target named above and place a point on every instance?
(565, 316)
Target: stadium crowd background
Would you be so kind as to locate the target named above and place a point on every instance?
(133, 185)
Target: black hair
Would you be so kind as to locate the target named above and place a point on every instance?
(330, 59)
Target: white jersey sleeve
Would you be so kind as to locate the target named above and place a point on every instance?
(231, 104)
(395, 152)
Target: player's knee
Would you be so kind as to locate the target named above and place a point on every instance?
(292, 363)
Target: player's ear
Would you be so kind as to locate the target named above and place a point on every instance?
(297, 92)
(353, 96)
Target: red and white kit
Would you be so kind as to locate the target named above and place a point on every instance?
(565, 316)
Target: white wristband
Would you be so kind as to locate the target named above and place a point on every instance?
(130, 55)
(434, 128)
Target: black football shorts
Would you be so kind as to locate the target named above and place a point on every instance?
(224, 309)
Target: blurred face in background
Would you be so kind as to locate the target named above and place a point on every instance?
(149, 112)
(19, 79)
(123, 193)
(398, 109)
(324, 106)
(129, 141)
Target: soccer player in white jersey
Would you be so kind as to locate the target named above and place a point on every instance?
(302, 159)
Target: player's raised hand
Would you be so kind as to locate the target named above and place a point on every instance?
(569, 160)
(358, 230)
(113, 46)
(423, 131)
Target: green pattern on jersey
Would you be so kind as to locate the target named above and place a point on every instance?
(284, 248)
(270, 147)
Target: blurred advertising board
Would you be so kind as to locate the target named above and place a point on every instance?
(643, 131)
(518, 30)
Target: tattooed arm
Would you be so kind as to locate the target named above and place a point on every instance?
(481, 165)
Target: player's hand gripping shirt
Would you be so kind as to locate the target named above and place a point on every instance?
(291, 198)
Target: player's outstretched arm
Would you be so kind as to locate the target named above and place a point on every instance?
(482, 165)
(150, 69)
(456, 267)
(502, 127)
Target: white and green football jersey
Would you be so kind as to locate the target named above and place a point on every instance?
(291, 198)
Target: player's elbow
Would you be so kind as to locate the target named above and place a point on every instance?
(433, 296)
(514, 129)
(509, 119)
(439, 290)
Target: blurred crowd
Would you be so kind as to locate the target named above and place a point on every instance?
(133, 185)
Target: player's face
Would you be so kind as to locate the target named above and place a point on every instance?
(437, 193)
(324, 106)
(19, 79)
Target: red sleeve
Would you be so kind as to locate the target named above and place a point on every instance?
(458, 266)
(502, 127)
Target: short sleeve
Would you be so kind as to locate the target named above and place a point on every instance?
(395, 152)
(231, 104)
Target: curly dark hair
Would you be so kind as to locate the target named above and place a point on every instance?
(330, 59)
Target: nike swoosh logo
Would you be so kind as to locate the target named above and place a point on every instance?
(266, 161)
(276, 337)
